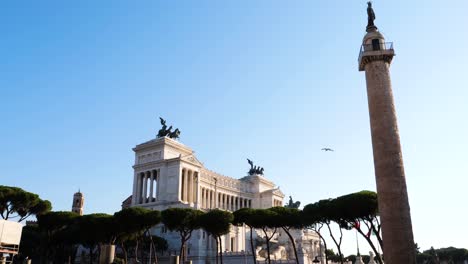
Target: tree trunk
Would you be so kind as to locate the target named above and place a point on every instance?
(153, 247)
(254, 254)
(125, 252)
(91, 255)
(136, 251)
(181, 253)
(293, 244)
(338, 245)
(268, 246)
(377, 254)
(217, 249)
(220, 251)
(324, 243)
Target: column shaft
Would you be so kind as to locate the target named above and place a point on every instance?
(388, 164)
(151, 186)
(145, 186)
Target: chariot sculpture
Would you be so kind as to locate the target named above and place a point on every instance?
(167, 132)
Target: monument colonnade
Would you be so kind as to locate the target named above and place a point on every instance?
(147, 186)
(211, 199)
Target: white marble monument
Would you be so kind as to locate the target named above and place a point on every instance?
(168, 174)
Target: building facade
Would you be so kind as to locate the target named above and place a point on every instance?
(167, 174)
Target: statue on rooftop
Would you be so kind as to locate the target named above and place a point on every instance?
(167, 132)
(254, 170)
(370, 17)
(291, 204)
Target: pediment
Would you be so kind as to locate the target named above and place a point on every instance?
(192, 159)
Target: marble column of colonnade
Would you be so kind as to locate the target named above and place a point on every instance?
(189, 186)
(147, 186)
(277, 203)
(224, 201)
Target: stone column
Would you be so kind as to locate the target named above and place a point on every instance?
(145, 187)
(184, 185)
(394, 209)
(190, 186)
(224, 198)
(212, 199)
(138, 189)
(201, 199)
(135, 187)
(158, 183)
(205, 201)
(196, 188)
(151, 185)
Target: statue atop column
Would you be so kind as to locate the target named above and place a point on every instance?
(254, 170)
(370, 18)
(167, 132)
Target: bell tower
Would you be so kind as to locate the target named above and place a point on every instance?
(397, 232)
(78, 203)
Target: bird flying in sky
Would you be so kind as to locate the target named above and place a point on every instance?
(327, 149)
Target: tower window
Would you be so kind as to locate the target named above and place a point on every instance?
(376, 44)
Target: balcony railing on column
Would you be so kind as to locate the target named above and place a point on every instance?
(380, 46)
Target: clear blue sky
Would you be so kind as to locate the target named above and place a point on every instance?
(83, 82)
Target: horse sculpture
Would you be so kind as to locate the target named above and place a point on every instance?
(166, 132)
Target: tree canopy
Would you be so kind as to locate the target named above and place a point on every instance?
(183, 221)
(20, 204)
(217, 223)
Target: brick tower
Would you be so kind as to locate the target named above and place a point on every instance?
(78, 203)
(397, 232)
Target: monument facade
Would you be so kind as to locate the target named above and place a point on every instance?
(168, 174)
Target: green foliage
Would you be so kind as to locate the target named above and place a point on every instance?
(18, 203)
(217, 222)
(243, 216)
(94, 229)
(264, 218)
(31, 239)
(59, 233)
(135, 221)
(449, 254)
(287, 217)
(348, 211)
(55, 221)
(356, 206)
(181, 219)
